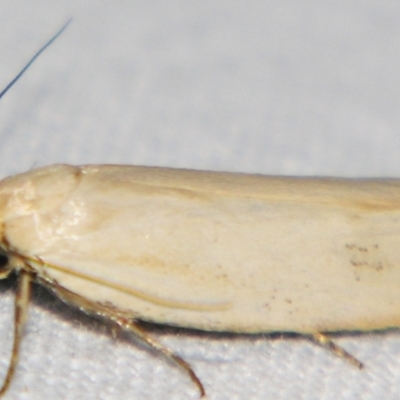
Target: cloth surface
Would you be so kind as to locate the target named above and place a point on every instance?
(278, 87)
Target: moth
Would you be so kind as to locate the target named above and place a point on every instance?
(212, 251)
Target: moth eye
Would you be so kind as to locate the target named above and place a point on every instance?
(3, 261)
(4, 266)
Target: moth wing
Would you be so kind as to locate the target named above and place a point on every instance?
(221, 251)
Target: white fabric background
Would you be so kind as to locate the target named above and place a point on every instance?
(275, 87)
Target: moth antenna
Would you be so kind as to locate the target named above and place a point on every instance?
(36, 55)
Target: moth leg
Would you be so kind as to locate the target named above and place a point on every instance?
(324, 341)
(108, 312)
(22, 297)
(141, 334)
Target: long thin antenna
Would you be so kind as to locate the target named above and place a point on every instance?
(38, 53)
